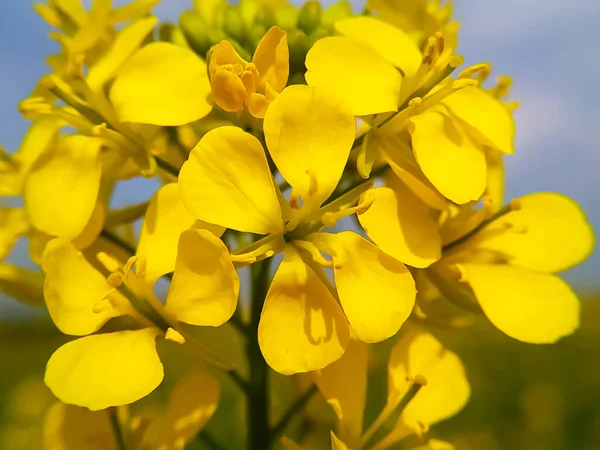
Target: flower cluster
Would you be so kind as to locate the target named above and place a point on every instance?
(351, 149)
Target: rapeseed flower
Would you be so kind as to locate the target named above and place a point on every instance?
(426, 384)
(308, 134)
(119, 367)
(509, 260)
(189, 409)
(236, 82)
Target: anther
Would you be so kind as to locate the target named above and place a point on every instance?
(429, 51)
(364, 206)
(515, 204)
(98, 130)
(314, 253)
(313, 187)
(294, 200)
(482, 71)
(502, 87)
(420, 379)
(116, 278)
(456, 61)
(175, 336)
(329, 219)
(243, 258)
(34, 105)
(439, 42)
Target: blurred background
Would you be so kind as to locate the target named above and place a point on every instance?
(524, 397)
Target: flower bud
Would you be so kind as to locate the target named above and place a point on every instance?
(195, 31)
(233, 23)
(310, 16)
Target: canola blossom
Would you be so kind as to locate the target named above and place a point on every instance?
(328, 180)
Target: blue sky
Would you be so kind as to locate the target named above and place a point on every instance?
(548, 46)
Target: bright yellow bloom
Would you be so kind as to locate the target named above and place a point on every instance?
(121, 367)
(509, 262)
(227, 181)
(236, 82)
(451, 123)
(420, 371)
(89, 34)
(192, 403)
(420, 19)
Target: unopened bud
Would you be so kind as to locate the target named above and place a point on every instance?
(309, 17)
(233, 23)
(195, 31)
(266, 18)
(337, 11)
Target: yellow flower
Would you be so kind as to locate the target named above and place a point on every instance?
(191, 404)
(426, 384)
(227, 181)
(121, 367)
(418, 18)
(451, 122)
(88, 34)
(236, 82)
(509, 261)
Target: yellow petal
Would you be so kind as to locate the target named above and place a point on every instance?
(495, 179)
(302, 328)
(13, 225)
(69, 427)
(288, 444)
(336, 443)
(487, 120)
(377, 291)
(343, 383)
(72, 288)
(448, 157)
(356, 72)
(308, 130)
(176, 79)
(434, 444)
(528, 306)
(447, 389)
(224, 54)
(397, 152)
(92, 229)
(105, 370)
(227, 181)
(205, 286)
(61, 191)
(73, 9)
(41, 136)
(391, 42)
(549, 233)
(228, 90)
(191, 405)
(257, 105)
(23, 285)
(401, 225)
(272, 59)
(126, 42)
(166, 218)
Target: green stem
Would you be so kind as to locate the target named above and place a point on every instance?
(117, 430)
(258, 388)
(296, 407)
(505, 210)
(112, 237)
(166, 166)
(208, 441)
